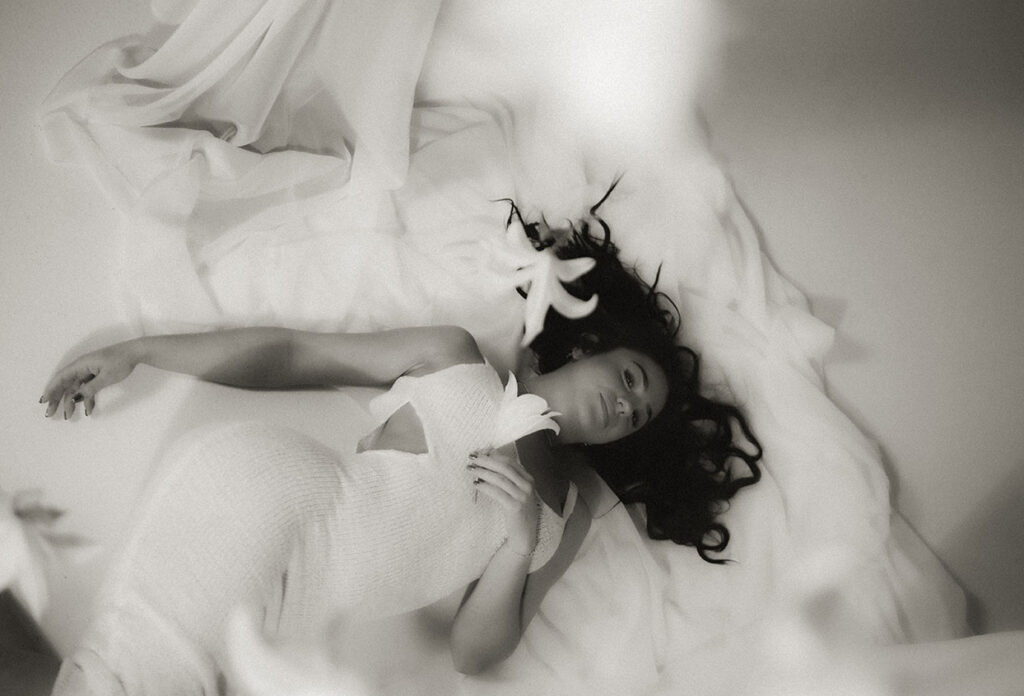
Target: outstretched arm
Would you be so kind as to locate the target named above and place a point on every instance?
(265, 357)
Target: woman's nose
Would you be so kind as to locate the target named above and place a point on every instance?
(624, 407)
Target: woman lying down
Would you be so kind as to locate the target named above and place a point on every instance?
(467, 482)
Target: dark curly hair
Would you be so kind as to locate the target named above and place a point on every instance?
(680, 465)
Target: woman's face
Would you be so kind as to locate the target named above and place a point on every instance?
(604, 397)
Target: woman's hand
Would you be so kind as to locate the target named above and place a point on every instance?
(501, 477)
(82, 378)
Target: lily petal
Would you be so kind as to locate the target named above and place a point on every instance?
(571, 269)
(541, 274)
(521, 414)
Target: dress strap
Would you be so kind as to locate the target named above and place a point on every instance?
(570, 500)
(550, 527)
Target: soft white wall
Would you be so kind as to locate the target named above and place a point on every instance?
(880, 146)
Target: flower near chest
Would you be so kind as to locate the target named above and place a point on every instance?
(520, 414)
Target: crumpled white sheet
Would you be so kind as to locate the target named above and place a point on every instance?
(291, 181)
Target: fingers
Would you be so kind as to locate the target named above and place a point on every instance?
(498, 494)
(507, 467)
(68, 387)
(521, 511)
(55, 388)
(52, 386)
(51, 407)
(58, 403)
(63, 378)
(87, 393)
(503, 479)
(518, 494)
(67, 404)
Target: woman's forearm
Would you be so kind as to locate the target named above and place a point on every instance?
(248, 357)
(272, 357)
(489, 623)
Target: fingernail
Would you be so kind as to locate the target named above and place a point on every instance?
(42, 398)
(472, 455)
(471, 466)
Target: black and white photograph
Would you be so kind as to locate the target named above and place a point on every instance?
(508, 347)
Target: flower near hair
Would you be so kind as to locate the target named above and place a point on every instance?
(28, 543)
(521, 414)
(540, 273)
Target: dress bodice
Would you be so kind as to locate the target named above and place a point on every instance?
(458, 408)
(455, 407)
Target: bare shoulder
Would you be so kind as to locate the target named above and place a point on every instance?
(448, 345)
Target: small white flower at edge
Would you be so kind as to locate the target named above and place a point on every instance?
(27, 543)
(541, 274)
(521, 414)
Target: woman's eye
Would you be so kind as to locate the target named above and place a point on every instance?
(629, 379)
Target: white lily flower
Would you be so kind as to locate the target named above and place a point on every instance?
(261, 669)
(27, 544)
(521, 414)
(541, 274)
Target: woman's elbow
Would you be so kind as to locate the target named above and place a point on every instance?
(475, 661)
(466, 665)
(454, 345)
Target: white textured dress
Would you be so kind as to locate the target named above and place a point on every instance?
(270, 520)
